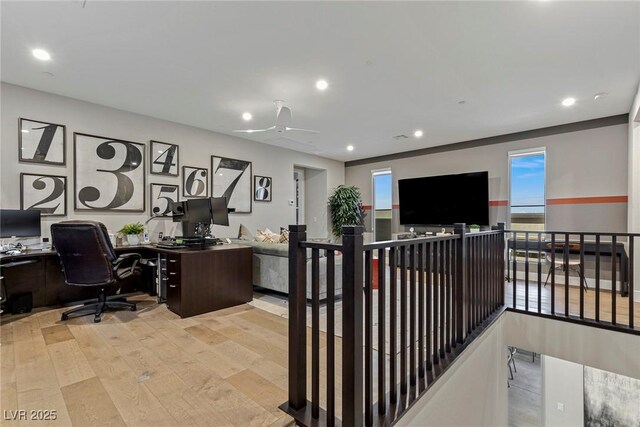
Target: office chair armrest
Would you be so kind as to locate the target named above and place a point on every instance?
(121, 267)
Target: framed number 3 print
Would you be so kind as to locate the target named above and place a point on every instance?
(164, 158)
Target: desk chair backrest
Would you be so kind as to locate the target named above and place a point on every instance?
(85, 252)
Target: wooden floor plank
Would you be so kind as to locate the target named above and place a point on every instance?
(69, 362)
(55, 334)
(259, 389)
(89, 403)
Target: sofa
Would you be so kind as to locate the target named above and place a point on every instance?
(271, 268)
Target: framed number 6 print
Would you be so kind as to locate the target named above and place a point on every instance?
(46, 193)
(164, 158)
(41, 142)
(195, 181)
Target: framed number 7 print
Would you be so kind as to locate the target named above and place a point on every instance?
(164, 158)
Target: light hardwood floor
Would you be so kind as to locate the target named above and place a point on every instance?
(226, 368)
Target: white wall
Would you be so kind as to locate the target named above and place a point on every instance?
(316, 203)
(562, 385)
(196, 147)
(634, 178)
(472, 392)
(586, 163)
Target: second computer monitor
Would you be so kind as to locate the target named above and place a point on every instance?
(219, 210)
(198, 211)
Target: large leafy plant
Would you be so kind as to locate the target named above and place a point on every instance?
(345, 207)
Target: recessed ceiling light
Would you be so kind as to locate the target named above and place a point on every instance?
(600, 95)
(41, 54)
(349, 147)
(417, 133)
(247, 116)
(322, 84)
(568, 102)
(24, 130)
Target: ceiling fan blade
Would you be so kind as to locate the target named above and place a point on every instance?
(300, 130)
(284, 116)
(255, 130)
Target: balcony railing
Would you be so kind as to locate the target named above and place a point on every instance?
(408, 308)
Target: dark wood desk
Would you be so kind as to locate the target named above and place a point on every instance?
(205, 280)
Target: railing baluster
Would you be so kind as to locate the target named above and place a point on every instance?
(403, 320)
(382, 359)
(539, 272)
(421, 309)
(393, 325)
(582, 279)
(526, 270)
(566, 274)
(515, 270)
(429, 272)
(597, 277)
(436, 302)
(331, 340)
(552, 269)
(412, 315)
(368, 338)
(614, 264)
(442, 298)
(315, 333)
(630, 264)
(447, 287)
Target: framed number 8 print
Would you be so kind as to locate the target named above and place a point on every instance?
(47, 193)
(164, 158)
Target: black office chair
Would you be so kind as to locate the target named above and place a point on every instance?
(88, 259)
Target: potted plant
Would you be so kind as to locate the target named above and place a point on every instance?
(474, 228)
(132, 233)
(345, 207)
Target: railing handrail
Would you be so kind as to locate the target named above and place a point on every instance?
(387, 244)
(576, 233)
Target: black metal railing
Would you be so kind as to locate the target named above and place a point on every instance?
(583, 276)
(407, 309)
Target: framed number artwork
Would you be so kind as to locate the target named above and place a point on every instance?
(195, 182)
(161, 197)
(47, 193)
(164, 158)
(109, 174)
(231, 178)
(262, 188)
(41, 142)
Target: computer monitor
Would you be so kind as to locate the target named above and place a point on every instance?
(177, 211)
(219, 210)
(198, 211)
(19, 223)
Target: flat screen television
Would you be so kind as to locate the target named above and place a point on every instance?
(445, 199)
(19, 223)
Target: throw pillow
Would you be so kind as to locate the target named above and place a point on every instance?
(244, 233)
(267, 236)
(284, 235)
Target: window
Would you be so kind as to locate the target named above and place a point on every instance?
(382, 184)
(527, 190)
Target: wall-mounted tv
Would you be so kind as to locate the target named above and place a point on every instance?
(445, 199)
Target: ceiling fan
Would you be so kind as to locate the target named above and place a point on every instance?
(283, 120)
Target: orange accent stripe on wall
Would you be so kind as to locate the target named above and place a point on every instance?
(498, 202)
(366, 207)
(587, 200)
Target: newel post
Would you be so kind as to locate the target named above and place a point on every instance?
(297, 318)
(352, 298)
(460, 280)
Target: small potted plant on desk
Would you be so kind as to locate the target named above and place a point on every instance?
(132, 232)
(474, 228)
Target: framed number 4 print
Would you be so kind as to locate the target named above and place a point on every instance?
(164, 158)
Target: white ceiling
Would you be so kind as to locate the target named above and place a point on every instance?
(391, 67)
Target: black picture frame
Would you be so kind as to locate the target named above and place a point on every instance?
(236, 189)
(153, 190)
(159, 147)
(262, 188)
(59, 183)
(135, 156)
(52, 140)
(191, 172)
